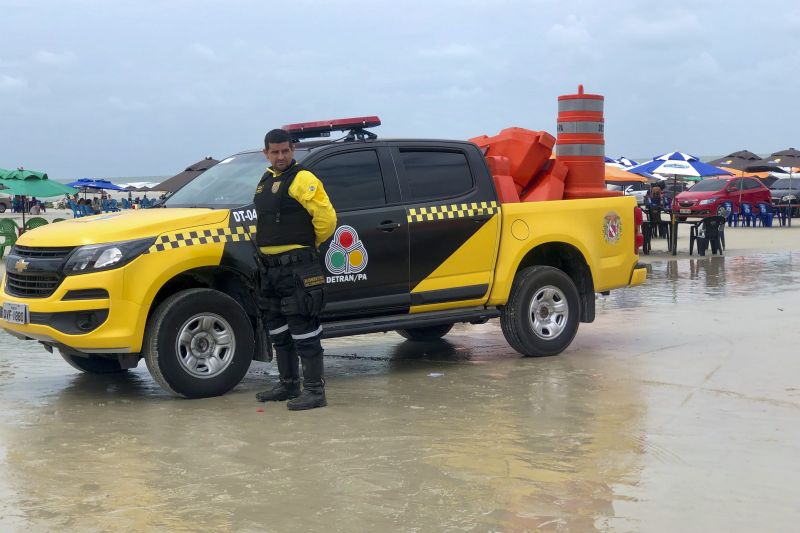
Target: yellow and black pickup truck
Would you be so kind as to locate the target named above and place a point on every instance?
(422, 243)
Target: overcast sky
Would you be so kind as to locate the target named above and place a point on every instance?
(139, 88)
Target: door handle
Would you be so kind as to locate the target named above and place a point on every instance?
(388, 225)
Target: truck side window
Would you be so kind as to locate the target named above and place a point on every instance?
(433, 175)
(352, 180)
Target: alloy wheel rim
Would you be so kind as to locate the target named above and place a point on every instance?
(205, 345)
(548, 312)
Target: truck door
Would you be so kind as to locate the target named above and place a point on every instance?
(367, 259)
(453, 223)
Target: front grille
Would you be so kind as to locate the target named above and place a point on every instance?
(38, 285)
(686, 203)
(52, 252)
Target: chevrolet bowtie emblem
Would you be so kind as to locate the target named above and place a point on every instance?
(21, 265)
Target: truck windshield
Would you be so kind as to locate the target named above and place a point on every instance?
(230, 183)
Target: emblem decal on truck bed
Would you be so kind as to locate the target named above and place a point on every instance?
(347, 256)
(612, 227)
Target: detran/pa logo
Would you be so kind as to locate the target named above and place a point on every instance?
(347, 256)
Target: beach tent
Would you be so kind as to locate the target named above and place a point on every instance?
(182, 178)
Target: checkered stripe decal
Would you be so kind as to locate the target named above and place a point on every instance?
(181, 239)
(443, 212)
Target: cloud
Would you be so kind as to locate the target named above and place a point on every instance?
(11, 83)
(58, 59)
(668, 29)
(572, 33)
(452, 50)
(126, 105)
(203, 51)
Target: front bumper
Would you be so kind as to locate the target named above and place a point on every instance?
(87, 324)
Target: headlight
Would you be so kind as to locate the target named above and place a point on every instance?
(94, 257)
(707, 201)
(789, 198)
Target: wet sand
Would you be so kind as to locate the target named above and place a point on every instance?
(677, 410)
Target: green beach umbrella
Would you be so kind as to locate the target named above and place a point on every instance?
(32, 183)
(23, 174)
(4, 173)
(41, 188)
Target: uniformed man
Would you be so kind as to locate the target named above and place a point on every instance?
(295, 216)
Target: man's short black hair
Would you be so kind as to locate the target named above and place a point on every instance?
(276, 136)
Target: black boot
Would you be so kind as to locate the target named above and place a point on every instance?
(313, 386)
(289, 385)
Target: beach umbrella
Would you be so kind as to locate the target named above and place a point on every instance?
(182, 178)
(4, 173)
(785, 158)
(737, 160)
(32, 183)
(95, 184)
(678, 164)
(626, 162)
(614, 173)
(675, 165)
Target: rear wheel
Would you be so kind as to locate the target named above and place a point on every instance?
(426, 334)
(93, 364)
(542, 314)
(199, 343)
(2, 208)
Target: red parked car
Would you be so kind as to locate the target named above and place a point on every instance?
(706, 197)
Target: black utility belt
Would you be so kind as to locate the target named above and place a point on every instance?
(299, 255)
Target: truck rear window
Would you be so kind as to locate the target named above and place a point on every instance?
(433, 175)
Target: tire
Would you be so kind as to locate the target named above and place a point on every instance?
(425, 334)
(199, 343)
(94, 364)
(551, 295)
(722, 212)
(3, 208)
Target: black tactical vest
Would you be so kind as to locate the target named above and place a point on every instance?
(281, 219)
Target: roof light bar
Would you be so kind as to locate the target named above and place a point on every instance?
(322, 128)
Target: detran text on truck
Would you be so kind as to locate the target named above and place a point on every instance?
(431, 233)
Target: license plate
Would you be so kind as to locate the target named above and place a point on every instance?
(16, 313)
(686, 211)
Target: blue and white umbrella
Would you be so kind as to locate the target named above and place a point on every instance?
(678, 164)
(626, 162)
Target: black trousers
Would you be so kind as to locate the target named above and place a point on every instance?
(290, 309)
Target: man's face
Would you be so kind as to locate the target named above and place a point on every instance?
(280, 155)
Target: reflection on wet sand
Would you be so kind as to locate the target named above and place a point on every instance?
(458, 434)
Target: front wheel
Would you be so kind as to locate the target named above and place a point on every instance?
(93, 364)
(199, 343)
(426, 334)
(542, 314)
